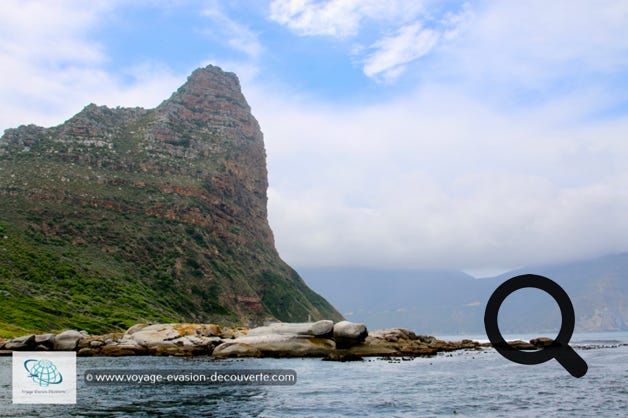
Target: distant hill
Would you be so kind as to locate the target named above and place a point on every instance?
(450, 302)
(122, 215)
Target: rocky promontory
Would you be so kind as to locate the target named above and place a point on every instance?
(340, 341)
(332, 341)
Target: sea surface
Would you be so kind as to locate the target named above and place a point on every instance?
(462, 383)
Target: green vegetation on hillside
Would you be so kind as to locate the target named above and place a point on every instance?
(54, 287)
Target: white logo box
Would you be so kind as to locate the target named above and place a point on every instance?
(41, 377)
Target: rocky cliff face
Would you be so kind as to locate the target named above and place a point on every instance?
(120, 215)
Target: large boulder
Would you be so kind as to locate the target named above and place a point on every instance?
(175, 339)
(275, 346)
(322, 328)
(45, 341)
(157, 335)
(67, 340)
(347, 334)
(26, 342)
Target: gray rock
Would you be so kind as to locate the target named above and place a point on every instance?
(236, 349)
(135, 328)
(174, 339)
(348, 334)
(46, 340)
(26, 342)
(159, 334)
(322, 328)
(398, 334)
(67, 340)
(96, 344)
(275, 346)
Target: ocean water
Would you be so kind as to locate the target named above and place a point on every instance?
(461, 383)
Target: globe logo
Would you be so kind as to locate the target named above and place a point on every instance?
(43, 372)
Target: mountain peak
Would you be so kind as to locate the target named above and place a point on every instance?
(207, 87)
(162, 210)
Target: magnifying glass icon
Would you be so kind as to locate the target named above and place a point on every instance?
(560, 350)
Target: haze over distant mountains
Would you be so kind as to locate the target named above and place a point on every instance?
(452, 302)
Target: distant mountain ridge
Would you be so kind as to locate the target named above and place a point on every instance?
(451, 302)
(127, 214)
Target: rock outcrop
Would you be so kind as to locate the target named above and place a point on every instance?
(344, 341)
(160, 214)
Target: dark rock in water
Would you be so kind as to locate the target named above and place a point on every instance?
(542, 342)
(342, 356)
(520, 345)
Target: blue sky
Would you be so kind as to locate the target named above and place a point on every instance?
(425, 134)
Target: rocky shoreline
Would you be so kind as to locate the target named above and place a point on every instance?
(342, 341)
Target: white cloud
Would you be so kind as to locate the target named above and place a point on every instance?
(391, 53)
(529, 43)
(385, 58)
(51, 66)
(336, 18)
(34, 31)
(533, 44)
(441, 180)
(340, 18)
(441, 176)
(239, 36)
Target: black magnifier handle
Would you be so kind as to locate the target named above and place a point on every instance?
(571, 361)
